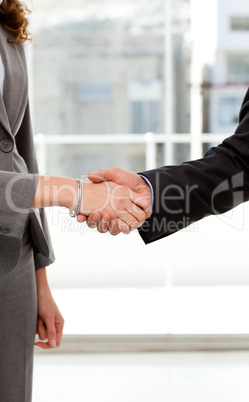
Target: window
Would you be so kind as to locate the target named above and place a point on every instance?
(238, 68)
(95, 92)
(99, 69)
(228, 110)
(239, 23)
(144, 117)
(144, 99)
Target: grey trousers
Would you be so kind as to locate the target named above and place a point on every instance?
(18, 316)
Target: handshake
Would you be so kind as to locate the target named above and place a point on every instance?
(115, 200)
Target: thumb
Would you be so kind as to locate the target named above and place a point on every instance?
(102, 175)
(81, 218)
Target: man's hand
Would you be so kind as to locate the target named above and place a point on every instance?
(110, 200)
(130, 180)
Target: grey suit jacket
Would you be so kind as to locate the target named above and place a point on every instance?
(17, 189)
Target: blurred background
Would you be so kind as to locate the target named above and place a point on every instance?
(140, 84)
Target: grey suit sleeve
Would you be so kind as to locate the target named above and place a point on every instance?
(42, 257)
(43, 254)
(16, 196)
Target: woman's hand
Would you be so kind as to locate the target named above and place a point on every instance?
(113, 201)
(50, 322)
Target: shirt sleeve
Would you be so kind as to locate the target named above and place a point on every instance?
(151, 188)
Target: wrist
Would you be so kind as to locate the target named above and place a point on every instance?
(68, 193)
(149, 191)
(90, 198)
(145, 184)
(76, 210)
(55, 191)
(41, 281)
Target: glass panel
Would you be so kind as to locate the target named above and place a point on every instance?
(99, 69)
(238, 68)
(144, 117)
(145, 97)
(229, 110)
(239, 23)
(95, 92)
(73, 160)
(181, 153)
(160, 150)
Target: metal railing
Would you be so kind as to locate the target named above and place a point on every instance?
(150, 140)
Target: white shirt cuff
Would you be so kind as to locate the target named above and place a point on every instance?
(152, 191)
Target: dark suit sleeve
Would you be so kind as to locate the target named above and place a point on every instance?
(212, 185)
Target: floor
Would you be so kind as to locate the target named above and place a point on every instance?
(144, 377)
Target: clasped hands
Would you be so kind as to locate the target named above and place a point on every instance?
(115, 200)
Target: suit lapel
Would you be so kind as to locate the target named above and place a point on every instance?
(15, 93)
(4, 120)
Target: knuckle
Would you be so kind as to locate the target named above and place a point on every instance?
(105, 217)
(143, 217)
(124, 228)
(135, 225)
(148, 213)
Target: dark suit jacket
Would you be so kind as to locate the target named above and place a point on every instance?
(212, 185)
(18, 188)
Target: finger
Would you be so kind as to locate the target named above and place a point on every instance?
(42, 333)
(141, 200)
(127, 219)
(148, 211)
(51, 332)
(141, 208)
(93, 219)
(126, 199)
(137, 213)
(81, 218)
(114, 227)
(43, 345)
(102, 175)
(103, 225)
(123, 227)
(41, 330)
(130, 214)
(122, 203)
(140, 224)
(59, 325)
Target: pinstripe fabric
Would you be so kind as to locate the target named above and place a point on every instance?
(18, 315)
